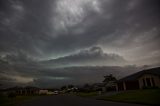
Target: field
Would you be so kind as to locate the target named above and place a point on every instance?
(89, 94)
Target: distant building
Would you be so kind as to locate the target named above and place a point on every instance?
(43, 91)
(144, 79)
(22, 90)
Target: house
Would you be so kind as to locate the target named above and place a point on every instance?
(143, 79)
(22, 90)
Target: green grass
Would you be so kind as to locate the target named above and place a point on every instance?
(149, 97)
(89, 94)
(5, 101)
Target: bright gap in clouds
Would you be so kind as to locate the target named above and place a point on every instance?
(17, 78)
(69, 13)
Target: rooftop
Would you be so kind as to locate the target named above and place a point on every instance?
(154, 71)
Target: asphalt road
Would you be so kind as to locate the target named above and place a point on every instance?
(68, 100)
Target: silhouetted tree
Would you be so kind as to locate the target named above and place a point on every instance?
(109, 78)
(63, 87)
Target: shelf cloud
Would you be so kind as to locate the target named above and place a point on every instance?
(41, 35)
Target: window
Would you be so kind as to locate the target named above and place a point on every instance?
(144, 84)
(153, 83)
(148, 81)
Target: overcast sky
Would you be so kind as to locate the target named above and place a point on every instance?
(47, 34)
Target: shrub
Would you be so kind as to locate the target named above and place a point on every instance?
(11, 95)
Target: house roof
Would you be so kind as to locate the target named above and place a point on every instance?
(153, 71)
(22, 88)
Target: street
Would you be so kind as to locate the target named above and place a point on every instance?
(68, 100)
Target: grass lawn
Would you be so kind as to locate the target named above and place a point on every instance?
(5, 101)
(89, 94)
(148, 96)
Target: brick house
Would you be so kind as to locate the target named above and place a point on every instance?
(143, 79)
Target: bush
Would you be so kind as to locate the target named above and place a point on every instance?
(11, 95)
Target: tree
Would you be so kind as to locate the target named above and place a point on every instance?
(63, 87)
(110, 82)
(109, 78)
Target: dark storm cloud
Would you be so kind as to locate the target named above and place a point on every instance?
(23, 26)
(34, 30)
(28, 25)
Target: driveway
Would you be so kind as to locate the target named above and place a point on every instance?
(68, 100)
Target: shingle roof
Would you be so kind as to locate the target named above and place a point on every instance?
(154, 71)
(22, 88)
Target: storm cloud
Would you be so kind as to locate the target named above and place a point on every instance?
(68, 33)
(90, 57)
